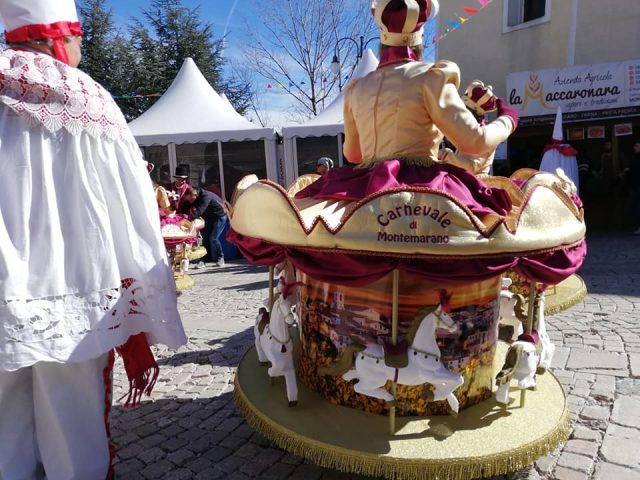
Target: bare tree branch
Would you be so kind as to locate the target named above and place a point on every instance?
(296, 46)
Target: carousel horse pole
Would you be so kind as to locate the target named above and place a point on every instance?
(529, 328)
(394, 341)
(271, 295)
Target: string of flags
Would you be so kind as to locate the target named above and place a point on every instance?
(462, 19)
(279, 85)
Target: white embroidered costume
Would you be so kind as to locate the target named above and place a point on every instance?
(83, 268)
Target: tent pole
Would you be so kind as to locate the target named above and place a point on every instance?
(394, 341)
(222, 187)
(173, 161)
(294, 143)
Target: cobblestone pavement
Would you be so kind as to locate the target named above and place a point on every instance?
(190, 428)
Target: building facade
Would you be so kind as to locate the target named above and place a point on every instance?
(581, 55)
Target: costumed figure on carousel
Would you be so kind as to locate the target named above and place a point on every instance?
(376, 241)
(83, 271)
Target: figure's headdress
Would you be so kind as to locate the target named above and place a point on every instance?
(401, 21)
(480, 98)
(28, 20)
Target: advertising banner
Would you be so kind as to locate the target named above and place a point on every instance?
(610, 89)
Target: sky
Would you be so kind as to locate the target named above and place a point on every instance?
(227, 17)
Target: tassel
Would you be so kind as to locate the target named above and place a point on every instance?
(283, 349)
(141, 368)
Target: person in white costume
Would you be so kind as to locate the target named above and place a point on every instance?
(560, 155)
(83, 268)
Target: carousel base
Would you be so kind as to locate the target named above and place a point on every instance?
(564, 295)
(482, 441)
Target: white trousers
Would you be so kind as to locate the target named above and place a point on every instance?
(54, 414)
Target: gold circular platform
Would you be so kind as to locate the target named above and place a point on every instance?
(482, 441)
(564, 295)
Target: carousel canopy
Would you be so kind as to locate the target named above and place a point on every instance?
(191, 111)
(331, 120)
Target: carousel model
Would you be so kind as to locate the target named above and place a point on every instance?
(394, 270)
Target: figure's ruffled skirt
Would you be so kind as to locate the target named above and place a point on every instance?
(354, 226)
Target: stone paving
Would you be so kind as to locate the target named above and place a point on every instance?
(190, 429)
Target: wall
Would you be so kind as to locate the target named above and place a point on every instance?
(607, 31)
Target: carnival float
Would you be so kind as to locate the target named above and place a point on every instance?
(180, 238)
(388, 282)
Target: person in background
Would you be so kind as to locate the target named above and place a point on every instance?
(323, 165)
(81, 245)
(199, 203)
(177, 188)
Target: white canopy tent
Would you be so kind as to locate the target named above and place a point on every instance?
(330, 122)
(191, 112)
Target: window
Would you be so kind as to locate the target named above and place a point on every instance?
(201, 160)
(525, 13)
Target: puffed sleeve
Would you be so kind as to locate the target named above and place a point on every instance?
(451, 116)
(351, 148)
(478, 164)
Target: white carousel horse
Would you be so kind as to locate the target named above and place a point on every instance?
(520, 364)
(424, 364)
(508, 315)
(273, 341)
(548, 348)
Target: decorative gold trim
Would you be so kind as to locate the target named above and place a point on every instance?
(183, 282)
(331, 456)
(569, 302)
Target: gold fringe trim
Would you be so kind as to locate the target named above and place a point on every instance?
(183, 282)
(571, 301)
(352, 461)
(419, 161)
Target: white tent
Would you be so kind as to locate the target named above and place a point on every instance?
(191, 111)
(329, 122)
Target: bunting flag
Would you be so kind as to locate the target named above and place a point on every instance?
(450, 26)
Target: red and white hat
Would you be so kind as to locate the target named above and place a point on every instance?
(402, 21)
(480, 98)
(27, 20)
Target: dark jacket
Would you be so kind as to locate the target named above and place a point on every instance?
(207, 207)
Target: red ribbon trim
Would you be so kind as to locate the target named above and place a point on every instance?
(287, 288)
(564, 148)
(55, 31)
(42, 31)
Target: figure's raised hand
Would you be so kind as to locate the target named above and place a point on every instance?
(505, 110)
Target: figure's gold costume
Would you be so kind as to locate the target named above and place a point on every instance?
(403, 110)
